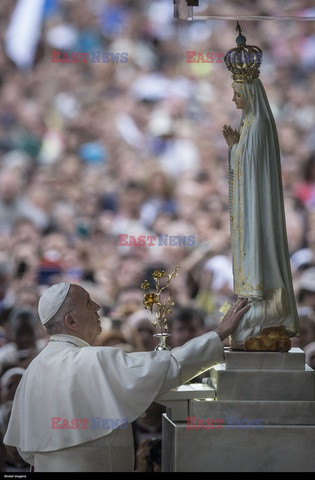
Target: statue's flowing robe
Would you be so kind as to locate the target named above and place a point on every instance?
(261, 263)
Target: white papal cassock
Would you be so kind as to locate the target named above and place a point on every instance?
(102, 389)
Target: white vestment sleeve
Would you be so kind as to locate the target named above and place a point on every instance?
(193, 358)
(95, 383)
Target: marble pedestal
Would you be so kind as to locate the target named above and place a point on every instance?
(258, 416)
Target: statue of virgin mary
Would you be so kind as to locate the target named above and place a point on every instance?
(261, 263)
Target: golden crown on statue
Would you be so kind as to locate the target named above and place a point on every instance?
(244, 60)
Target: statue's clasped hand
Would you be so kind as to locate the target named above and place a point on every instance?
(231, 136)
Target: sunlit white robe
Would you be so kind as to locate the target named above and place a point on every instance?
(71, 379)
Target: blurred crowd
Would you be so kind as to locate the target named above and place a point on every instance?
(93, 150)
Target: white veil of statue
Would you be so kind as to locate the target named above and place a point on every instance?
(261, 263)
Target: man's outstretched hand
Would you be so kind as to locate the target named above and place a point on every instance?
(230, 320)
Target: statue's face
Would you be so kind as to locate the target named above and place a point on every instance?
(239, 100)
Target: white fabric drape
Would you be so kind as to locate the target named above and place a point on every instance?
(75, 380)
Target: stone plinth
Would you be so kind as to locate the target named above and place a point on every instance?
(263, 384)
(271, 449)
(261, 419)
(270, 412)
(241, 360)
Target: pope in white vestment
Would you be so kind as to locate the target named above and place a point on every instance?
(74, 405)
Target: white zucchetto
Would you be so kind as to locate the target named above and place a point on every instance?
(51, 300)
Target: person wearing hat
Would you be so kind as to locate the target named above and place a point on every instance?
(73, 409)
